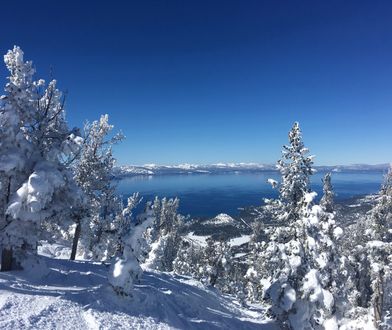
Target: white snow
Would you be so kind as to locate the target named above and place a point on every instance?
(338, 232)
(237, 241)
(309, 197)
(199, 240)
(375, 244)
(76, 295)
(354, 205)
(273, 182)
(289, 297)
(122, 274)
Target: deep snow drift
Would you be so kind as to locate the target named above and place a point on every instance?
(76, 295)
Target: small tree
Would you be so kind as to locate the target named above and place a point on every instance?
(216, 263)
(125, 269)
(295, 168)
(164, 235)
(326, 201)
(93, 174)
(188, 259)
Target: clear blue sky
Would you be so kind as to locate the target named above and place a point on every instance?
(208, 81)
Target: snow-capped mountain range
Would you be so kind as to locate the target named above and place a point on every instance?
(154, 169)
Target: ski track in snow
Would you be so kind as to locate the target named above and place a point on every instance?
(75, 295)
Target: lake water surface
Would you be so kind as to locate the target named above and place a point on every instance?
(206, 195)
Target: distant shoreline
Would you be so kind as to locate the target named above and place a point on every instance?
(231, 168)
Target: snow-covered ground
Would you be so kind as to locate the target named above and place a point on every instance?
(202, 240)
(237, 241)
(196, 239)
(76, 295)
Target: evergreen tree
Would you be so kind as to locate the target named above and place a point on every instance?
(295, 168)
(293, 270)
(381, 216)
(36, 148)
(164, 235)
(216, 263)
(379, 251)
(93, 173)
(188, 259)
(326, 201)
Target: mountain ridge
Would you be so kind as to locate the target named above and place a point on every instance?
(218, 168)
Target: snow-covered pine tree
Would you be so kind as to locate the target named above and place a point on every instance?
(293, 268)
(126, 220)
(208, 262)
(295, 168)
(145, 240)
(164, 235)
(216, 263)
(357, 290)
(254, 273)
(299, 272)
(93, 173)
(326, 201)
(188, 259)
(36, 147)
(381, 215)
(235, 281)
(169, 220)
(367, 250)
(379, 253)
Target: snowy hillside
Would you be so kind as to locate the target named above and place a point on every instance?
(76, 295)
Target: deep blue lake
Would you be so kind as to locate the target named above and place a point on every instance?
(207, 195)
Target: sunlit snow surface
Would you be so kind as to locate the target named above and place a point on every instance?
(202, 240)
(76, 295)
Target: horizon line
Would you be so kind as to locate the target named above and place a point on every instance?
(248, 163)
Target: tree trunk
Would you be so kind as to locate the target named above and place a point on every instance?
(75, 241)
(6, 259)
(7, 254)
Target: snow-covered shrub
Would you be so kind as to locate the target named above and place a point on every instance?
(125, 269)
(124, 272)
